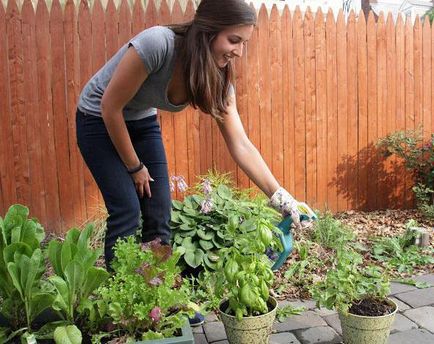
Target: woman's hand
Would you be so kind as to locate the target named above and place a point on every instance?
(283, 202)
(141, 181)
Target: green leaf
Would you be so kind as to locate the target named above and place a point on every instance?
(224, 192)
(72, 235)
(55, 256)
(194, 258)
(95, 277)
(177, 204)
(15, 275)
(74, 277)
(206, 245)
(18, 248)
(67, 335)
(15, 217)
(62, 299)
(67, 253)
(205, 235)
(40, 302)
(83, 240)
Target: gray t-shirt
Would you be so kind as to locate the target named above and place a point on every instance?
(156, 48)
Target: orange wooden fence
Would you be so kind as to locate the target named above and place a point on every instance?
(314, 94)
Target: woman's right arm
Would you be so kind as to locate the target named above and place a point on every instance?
(127, 78)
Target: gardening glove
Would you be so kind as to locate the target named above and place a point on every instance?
(283, 202)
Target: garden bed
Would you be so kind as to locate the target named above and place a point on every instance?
(366, 226)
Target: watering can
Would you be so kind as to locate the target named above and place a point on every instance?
(285, 235)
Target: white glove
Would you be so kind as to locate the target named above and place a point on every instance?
(283, 202)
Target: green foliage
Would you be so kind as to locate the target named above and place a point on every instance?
(204, 291)
(244, 271)
(209, 219)
(400, 253)
(145, 297)
(67, 335)
(76, 277)
(418, 157)
(330, 232)
(282, 313)
(302, 271)
(348, 281)
(22, 290)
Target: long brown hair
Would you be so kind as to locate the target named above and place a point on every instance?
(208, 84)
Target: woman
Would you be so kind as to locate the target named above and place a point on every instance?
(166, 68)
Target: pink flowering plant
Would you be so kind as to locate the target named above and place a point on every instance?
(211, 217)
(145, 298)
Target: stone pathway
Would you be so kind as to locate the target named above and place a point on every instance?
(414, 322)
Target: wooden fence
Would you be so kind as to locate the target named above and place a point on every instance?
(314, 94)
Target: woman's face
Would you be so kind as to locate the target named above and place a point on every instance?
(229, 43)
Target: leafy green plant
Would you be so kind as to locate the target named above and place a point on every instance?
(204, 291)
(145, 298)
(244, 270)
(23, 292)
(418, 157)
(330, 232)
(349, 282)
(400, 253)
(301, 271)
(76, 276)
(284, 312)
(208, 219)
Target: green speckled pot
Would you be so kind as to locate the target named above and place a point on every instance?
(250, 330)
(357, 329)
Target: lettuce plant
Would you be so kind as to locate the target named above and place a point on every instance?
(145, 297)
(23, 292)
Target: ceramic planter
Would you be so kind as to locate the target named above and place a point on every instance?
(185, 338)
(358, 329)
(249, 330)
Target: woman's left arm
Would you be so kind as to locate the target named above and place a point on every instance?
(244, 152)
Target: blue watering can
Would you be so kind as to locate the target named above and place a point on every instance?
(286, 235)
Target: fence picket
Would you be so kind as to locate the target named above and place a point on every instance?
(400, 104)
(391, 107)
(299, 108)
(60, 115)
(352, 70)
(321, 108)
(49, 163)
(17, 119)
(6, 148)
(342, 172)
(332, 115)
(427, 107)
(288, 103)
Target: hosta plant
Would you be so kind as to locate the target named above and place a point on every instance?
(145, 298)
(211, 217)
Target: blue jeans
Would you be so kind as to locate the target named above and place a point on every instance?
(127, 213)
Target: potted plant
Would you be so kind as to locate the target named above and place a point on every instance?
(145, 298)
(359, 294)
(245, 276)
(36, 307)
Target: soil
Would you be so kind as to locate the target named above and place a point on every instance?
(371, 307)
